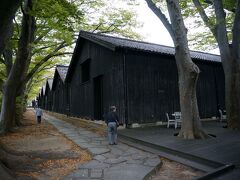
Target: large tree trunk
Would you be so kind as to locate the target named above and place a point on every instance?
(6, 174)
(8, 9)
(8, 106)
(20, 93)
(19, 69)
(20, 104)
(230, 55)
(187, 76)
(8, 58)
(232, 88)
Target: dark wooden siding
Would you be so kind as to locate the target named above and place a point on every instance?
(152, 83)
(44, 102)
(105, 63)
(59, 96)
(41, 102)
(152, 87)
(207, 90)
(48, 95)
(220, 83)
(55, 100)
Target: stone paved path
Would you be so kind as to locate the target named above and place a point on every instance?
(110, 162)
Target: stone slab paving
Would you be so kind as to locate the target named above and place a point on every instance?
(110, 162)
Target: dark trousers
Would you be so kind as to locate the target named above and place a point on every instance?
(39, 118)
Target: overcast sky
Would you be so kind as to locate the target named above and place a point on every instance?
(153, 30)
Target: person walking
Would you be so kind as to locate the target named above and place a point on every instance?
(112, 122)
(39, 114)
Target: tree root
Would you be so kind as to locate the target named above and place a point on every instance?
(5, 172)
(13, 160)
(198, 134)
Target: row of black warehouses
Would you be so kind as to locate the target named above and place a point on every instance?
(139, 78)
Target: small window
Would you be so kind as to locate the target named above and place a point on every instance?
(85, 67)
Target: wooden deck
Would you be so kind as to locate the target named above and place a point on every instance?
(223, 149)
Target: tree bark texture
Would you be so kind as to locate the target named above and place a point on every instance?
(230, 55)
(6, 173)
(8, 9)
(188, 73)
(20, 105)
(18, 72)
(8, 57)
(232, 88)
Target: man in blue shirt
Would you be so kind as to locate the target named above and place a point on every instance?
(39, 114)
(112, 122)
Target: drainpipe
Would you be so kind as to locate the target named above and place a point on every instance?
(125, 86)
(67, 99)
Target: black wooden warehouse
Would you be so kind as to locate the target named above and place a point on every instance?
(38, 103)
(41, 99)
(59, 90)
(48, 94)
(139, 78)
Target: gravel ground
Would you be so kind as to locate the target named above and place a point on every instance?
(39, 151)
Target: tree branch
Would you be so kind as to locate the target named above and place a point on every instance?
(45, 47)
(39, 38)
(98, 26)
(62, 54)
(222, 38)
(45, 59)
(205, 18)
(45, 68)
(161, 16)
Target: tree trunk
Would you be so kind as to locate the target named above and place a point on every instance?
(187, 76)
(232, 94)
(8, 9)
(8, 58)
(8, 107)
(6, 173)
(19, 69)
(20, 104)
(230, 56)
(187, 71)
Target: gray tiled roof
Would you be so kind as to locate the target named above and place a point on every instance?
(62, 70)
(115, 42)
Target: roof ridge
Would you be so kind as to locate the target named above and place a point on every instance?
(60, 65)
(142, 42)
(124, 38)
